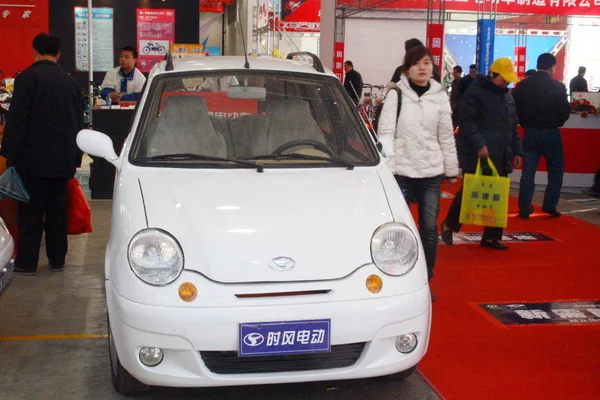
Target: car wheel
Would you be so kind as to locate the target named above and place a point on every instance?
(400, 376)
(121, 379)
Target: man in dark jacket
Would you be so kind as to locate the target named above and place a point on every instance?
(543, 107)
(467, 80)
(39, 140)
(578, 84)
(455, 94)
(353, 82)
(487, 130)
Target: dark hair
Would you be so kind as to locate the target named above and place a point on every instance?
(397, 75)
(414, 55)
(132, 50)
(546, 61)
(349, 63)
(46, 45)
(581, 70)
(458, 69)
(473, 66)
(530, 72)
(412, 43)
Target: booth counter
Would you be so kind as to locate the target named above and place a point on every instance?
(581, 143)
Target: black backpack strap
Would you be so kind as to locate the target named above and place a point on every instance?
(399, 92)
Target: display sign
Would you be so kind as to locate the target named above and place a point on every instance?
(521, 61)
(559, 313)
(102, 35)
(284, 338)
(338, 60)
(486, 31)
(514, 237)
(187, 49)
(301, 15)
(155, 34)
(544, 7)
(217, 6)
(219, 104)
(435, 43)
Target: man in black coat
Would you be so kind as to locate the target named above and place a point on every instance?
(487, 130)
(39, 140)
(353, 82)
(543, 107)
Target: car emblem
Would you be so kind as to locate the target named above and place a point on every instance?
(254, 339)
(282, 264)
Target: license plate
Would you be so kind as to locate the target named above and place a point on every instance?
(284, 338)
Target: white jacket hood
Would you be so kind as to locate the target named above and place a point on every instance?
(420, 143)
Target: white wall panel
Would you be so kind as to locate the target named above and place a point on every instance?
(376, 46)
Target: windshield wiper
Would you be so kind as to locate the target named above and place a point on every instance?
(297, 156)
(192, 156)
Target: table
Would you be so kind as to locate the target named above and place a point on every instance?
(116, 125)
(581, 143)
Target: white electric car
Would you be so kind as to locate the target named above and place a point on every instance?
(257, 235)
(7, 248)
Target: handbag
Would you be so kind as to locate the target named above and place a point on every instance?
(79, 213)
(485, 198)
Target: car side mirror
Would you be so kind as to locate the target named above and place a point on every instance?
(97, 144)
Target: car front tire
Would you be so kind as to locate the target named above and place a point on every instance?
(122, 380)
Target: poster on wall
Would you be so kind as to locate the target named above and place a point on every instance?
(155, 34)
(102, 35)
(301, 15)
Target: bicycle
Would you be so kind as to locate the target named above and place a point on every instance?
(152, 47)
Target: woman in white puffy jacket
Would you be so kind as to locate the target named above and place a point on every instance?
(419, 144)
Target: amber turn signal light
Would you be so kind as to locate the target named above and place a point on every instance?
(374, 284)
(188, 292)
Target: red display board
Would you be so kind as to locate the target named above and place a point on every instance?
(301, 15)
(214, 5)
(520, 61)
(545, 7)
(155, 34)
(219, 104)
(435, 42)
(338, 60)
(20, 22)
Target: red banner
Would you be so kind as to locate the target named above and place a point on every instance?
(213, 5)
(155, 34)
(301, 15)
(520, 61)
(435, 42)
(545, 7)
(20, 22)
(338, 60)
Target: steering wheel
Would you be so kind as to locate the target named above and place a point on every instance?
(304, 142)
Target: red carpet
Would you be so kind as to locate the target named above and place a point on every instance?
(473, 356)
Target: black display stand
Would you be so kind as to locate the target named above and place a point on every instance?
(116, 125)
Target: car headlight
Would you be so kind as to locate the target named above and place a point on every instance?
(394, 249)
(155, 257)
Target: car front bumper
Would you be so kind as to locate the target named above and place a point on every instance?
(187, 336)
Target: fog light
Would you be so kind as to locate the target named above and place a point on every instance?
(151, 356)
(187, 292)
(374, 284)
(406, 343)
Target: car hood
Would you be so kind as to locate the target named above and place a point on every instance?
(233, 225)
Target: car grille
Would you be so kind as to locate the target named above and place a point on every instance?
(228, 362)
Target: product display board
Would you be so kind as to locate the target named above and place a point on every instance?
(102, 35)
(155, 34)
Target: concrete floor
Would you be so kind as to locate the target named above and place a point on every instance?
(53, 326)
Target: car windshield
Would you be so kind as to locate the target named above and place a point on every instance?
(243, 118)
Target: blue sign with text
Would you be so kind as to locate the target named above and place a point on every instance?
(486, 31)
(284, 338)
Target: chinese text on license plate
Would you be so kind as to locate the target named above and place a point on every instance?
(284, 338)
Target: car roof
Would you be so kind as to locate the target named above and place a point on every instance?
(204, 63)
